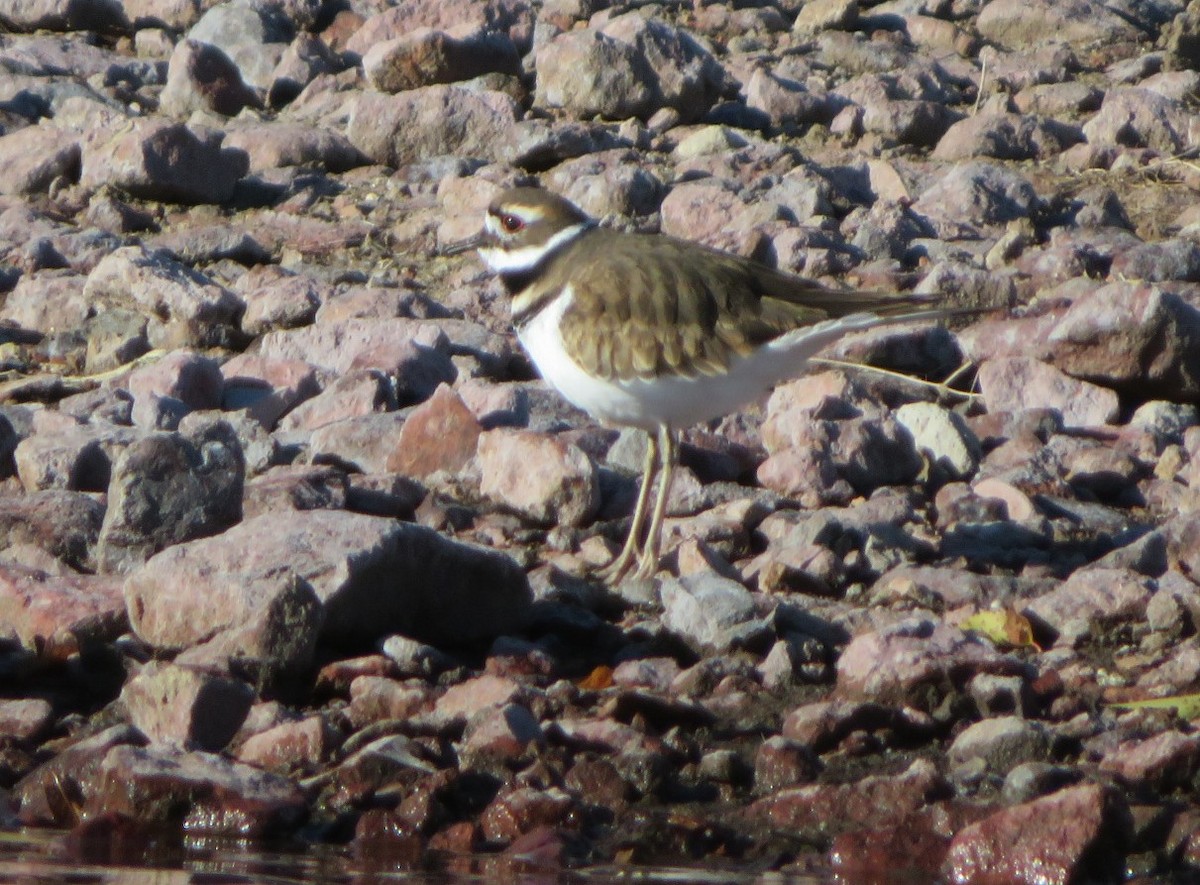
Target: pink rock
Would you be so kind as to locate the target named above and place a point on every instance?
(1163, 762)
(188, 307)
(1018, 24)
(60, 615)
(501, 733)
(1090, 598)
(156, 160)
(538, 476)
(430, 122)
(47, 300)
(514, 17)
(1018, 505)
(372, 576)
(466, 698)
(439, 434)
(200, 77)
(377, 699)
(185, 708)
(425, 56)
(587, 73)
(64, 524)
(1051, 839)
(183, 375)
(893, 665)
(277, 144)
(365, 443)
(78, 458)
(357, 393)
(1014, 383)
(267, 388)
(291, 746)
(32, 158)
(25, 720)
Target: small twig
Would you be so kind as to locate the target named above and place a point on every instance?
(982, 83)
(942, 387)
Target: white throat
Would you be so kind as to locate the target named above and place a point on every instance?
(526, 258)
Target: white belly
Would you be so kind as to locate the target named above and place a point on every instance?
(675, 401)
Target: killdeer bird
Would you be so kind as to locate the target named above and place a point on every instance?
(657, 333)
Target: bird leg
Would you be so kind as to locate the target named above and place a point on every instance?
(668, 446)
(615, 569)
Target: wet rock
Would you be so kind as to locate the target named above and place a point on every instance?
(539, 477)
(199, 791)
(873, 801)
(41, 793)
(186, 708)
(1012, 843)
(168, 488)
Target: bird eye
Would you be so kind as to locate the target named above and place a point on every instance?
(511, 223)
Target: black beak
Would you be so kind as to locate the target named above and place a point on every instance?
(471, 242)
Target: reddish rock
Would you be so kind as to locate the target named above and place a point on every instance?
(60, 615)
(873, 801)
(425, 56)
(266, 388)
(200, 791)
(781, 763)
(911, 850)
(522, 810)
(503, 734)
(45, 795)
(439, 434)
(357, 393)
(1010, 384)
(1163, 762)
(1070, 835)
(467, 698)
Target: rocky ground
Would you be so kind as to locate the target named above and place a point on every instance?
(293, 544)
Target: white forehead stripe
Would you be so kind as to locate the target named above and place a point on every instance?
(526, 258)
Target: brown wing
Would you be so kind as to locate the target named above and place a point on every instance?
(653, 305)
